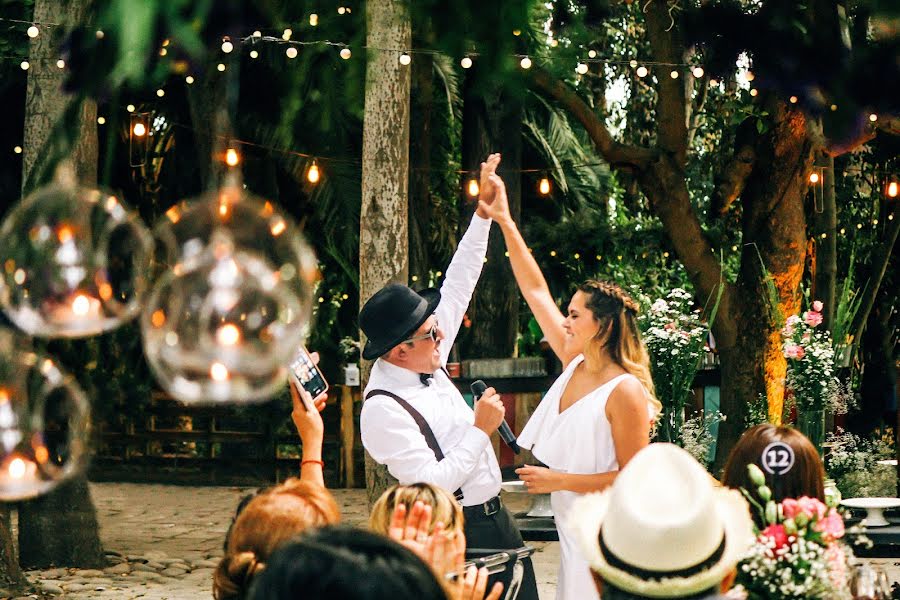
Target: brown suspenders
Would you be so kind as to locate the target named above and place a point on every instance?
(424, 427)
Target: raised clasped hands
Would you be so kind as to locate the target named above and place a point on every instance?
(485, 185)
(498, 208)
(442, 551)
(539, 480)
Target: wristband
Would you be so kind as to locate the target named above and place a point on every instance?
(318, 462)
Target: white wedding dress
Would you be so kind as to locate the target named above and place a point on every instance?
(577, 441)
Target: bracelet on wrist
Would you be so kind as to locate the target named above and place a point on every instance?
(310, 461)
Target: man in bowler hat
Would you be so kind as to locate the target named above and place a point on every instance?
(414, 420)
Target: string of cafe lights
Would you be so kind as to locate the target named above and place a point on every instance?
(405, 58)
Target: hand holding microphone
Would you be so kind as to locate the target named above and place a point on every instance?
(490, 413)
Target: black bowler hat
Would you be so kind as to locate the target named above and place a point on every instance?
(392, 315)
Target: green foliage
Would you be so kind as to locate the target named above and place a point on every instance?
(853, 463)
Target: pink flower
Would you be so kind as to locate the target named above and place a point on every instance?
(817, 306)
(794, 351)
(669, 326)
(831, 527)
(788, 331)
(812, 318)
(790, 507)
(776, 533)
(793, 320)
(813, 507)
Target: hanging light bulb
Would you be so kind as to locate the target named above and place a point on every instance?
(345, 53)
(472, 188)
(44, 419)
(130, 108)
(291, 52)
(313, 19)
(544, 186)
(673, 74)
(405, 59)
(525, 63)
(312, 175)
(64, 237)
(254, 54)
(24, 65)
(793, 99)
(232, 158)
(33, 32)
(592, 54)
(892, 189)
(189, 79)
(814, 177)
(641, 71)
(227, 46)
(220, 67)
(139, 129)
(228, 314)
(466, 62)
(287, 34)
(60, 64)
(697, 72)
(581, 69)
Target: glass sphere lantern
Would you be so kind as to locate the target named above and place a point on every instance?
(44, 422)
(74, 261)
(228, 314)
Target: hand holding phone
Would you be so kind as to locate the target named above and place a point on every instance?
(308, 377)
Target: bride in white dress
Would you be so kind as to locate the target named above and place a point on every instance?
(599, 412)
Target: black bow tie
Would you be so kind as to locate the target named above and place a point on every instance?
(426, 378)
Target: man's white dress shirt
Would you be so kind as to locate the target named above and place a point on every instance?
(391, 435)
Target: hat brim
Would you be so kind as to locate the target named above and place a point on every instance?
(432, 297)
(589, 512)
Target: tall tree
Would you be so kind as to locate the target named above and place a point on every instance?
(59, 528)
(383, 233)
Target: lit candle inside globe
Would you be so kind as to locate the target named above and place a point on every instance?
(228, 335)
(218, 372)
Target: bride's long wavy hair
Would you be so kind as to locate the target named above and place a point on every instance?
(617, 312)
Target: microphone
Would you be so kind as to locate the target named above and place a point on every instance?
(506, 434)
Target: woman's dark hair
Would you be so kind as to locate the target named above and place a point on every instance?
(347, 563)
(806, 477)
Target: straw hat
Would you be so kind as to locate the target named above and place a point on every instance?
(662, 529)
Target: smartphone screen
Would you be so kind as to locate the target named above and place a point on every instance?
(307, 374)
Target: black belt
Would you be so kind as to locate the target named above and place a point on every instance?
(486, 509)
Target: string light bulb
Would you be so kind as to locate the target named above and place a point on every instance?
(642, 71)
(472, 188)
(525, 63)
(466, 62)
(291, 52)
(592, 54)
(189, 79)
(139, 130)
(405, 59)
(160, 92)
(713, 83)
(814, 177)
(313, 175)
(341, 10)
(673, 74)
(314, 19)
(24, 64)
(287, 34)
(345, 53)
(633, 63)
(61, 64)
(221, 67)
(544, 186)
(254, 54)
(232, 158)
(753, 92)
(697, 72)
(892, 189)
(873, 117)
(749, 76)
(581, 69)
(18, 149)
(130, 108)
(101, 120)
(227, 46)
(33, 31)
(793, 99)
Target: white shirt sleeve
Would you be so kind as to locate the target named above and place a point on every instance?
(462, 276)
(392, 438)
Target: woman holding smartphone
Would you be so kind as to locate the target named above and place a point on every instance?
(603, 404)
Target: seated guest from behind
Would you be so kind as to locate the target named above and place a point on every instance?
(662, 530)
(349, 564)
(805, 478)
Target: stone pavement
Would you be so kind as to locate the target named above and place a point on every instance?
(164, 542)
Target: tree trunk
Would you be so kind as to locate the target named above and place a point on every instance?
(880, 262)
(420, 176)
(825, 223)
(383, 236)
(60, 528)
(492, 121)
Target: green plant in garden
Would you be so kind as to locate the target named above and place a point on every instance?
(853, 463)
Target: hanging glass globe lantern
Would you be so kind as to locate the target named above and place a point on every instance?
(74, 260)
(234, 302)
(44, 422)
